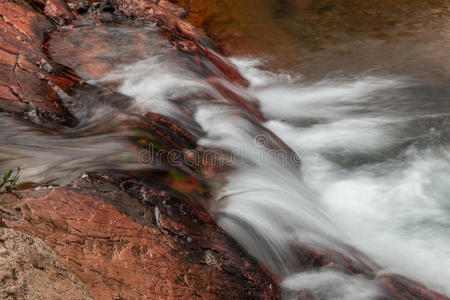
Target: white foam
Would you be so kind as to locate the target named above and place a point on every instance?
(331, 285)
(396, 210)
(154, 81)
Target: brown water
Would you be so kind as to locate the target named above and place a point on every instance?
(316, 37)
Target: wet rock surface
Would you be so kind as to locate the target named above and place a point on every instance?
(399, 287)
(30, 84)
(56, 10)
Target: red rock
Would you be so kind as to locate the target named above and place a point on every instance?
(399, 287)
(176, 250)
(167, 19)
(56, 10)
(64, 47)
(28, 85)
(88, 49)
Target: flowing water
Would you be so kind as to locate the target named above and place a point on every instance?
(360, 89)
(376, 153)
(374, 145)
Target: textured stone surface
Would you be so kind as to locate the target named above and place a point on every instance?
(29, 269)
(56, 10)
(30, 84)
(176, 250)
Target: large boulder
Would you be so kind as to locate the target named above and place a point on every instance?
(147, 243)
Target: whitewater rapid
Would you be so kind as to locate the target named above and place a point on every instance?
(375, 170)
(376, 153)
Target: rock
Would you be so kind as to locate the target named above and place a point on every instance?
(187, 37)
(29, 269)
(79, 6)
(30, 85)
(89, 50)
(56, 10)
(126, 248)
(399, 287)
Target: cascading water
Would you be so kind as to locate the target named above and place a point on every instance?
(375, 166)
(375, 171)
(375, 152)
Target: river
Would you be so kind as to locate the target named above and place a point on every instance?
(367, 110)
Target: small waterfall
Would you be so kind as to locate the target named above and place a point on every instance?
(374, 176)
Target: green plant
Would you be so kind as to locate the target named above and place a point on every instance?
(9, 181)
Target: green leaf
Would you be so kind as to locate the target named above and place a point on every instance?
(7, 175)
(9, 183)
